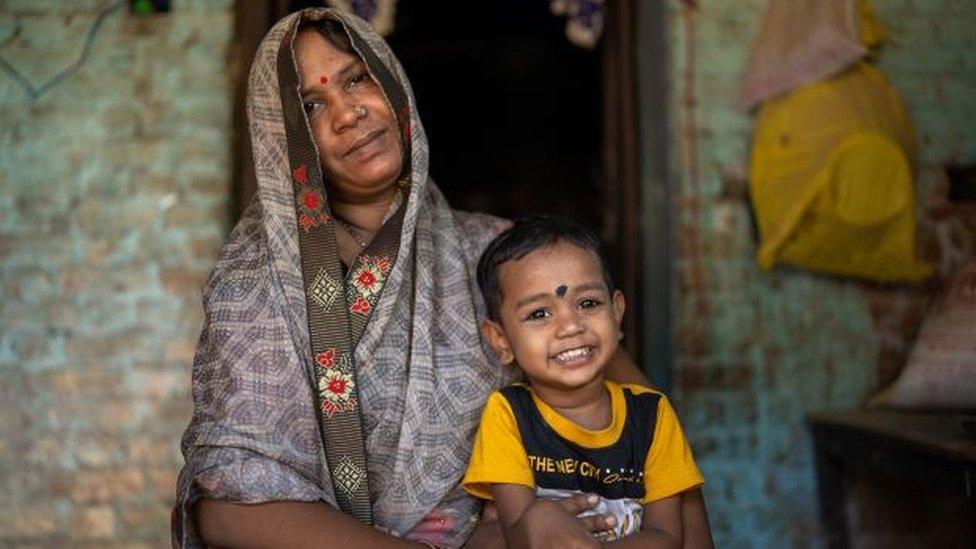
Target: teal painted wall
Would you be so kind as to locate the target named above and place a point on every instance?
(768, 348)
(114, 199)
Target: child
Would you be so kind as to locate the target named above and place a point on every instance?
(553, 310)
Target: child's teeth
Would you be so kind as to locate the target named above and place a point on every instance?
(572, 353)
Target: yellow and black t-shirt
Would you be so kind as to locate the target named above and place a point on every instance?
(641, 457)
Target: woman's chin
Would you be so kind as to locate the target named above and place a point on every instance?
(366, 194)
(374, 179)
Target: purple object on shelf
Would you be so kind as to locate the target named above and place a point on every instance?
(584, 23)
(364, 9)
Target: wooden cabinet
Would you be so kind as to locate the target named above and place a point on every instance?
(896, 478)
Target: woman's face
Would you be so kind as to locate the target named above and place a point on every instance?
(354, 129)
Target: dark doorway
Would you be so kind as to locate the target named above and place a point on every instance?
(511, 108)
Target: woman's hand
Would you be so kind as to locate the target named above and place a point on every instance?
(531, 523)
(488, 534)
(554, 524)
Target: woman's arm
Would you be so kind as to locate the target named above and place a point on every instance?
(287, 524)
(622, 369)
(694, 517)
(694, 520)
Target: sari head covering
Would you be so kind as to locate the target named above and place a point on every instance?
(402, 354)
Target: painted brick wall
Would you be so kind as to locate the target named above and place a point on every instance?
(114, 198)
(755, 352)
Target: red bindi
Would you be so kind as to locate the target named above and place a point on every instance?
(324, 80)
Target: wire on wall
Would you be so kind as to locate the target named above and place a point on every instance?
(35, 92)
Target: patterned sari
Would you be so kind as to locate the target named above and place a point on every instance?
(387, 347)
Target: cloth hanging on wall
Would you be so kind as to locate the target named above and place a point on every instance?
(381, 14)
(831, 179)
(802, 41)
(584, 23)
(941, 369)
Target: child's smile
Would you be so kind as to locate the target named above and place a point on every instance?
(577, 356)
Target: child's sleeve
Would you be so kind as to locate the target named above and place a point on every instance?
(498, 456)
(670, 468)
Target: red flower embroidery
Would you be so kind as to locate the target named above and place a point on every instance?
(336, 391)
(312, 200)
(330, 407)
(382, 263)
(366, 279)
(337, 386)
(369, 276)
(309, 221)
(326, 359)
(360, 306)
(301, 174)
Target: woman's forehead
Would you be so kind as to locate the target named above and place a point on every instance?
(314, 50)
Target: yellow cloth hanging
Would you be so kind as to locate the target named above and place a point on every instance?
(831, 179)
(871, 31)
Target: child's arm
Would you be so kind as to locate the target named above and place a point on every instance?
(660, 526)
(529, 522)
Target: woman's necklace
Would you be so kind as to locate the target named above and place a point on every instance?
(351, 230)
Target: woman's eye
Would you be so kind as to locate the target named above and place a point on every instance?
(311, 106)
(358, 79)
(537, 314)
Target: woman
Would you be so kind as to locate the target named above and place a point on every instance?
(341, 320)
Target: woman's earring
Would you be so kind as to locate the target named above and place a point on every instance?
(360, 111)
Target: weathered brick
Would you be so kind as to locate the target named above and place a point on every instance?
(28, 524)
(141, 520)
(95, 522)
(87, 174)
(163, 479)
(107, 486)
(153, 451)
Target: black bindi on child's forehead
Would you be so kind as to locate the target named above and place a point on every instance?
(561, 290)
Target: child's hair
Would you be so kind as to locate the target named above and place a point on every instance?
(526, 235)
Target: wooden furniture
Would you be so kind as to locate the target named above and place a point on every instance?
(920, 467)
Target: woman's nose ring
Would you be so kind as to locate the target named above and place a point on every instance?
(360, 111)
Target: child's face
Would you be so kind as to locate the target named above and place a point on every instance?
(557, 317)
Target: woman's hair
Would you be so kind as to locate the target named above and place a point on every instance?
(334, 32)
(527, 235)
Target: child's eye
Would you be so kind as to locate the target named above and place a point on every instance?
(588, 303)
(537, 314)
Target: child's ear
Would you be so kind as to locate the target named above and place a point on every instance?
(618, 306)
(495, 336)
